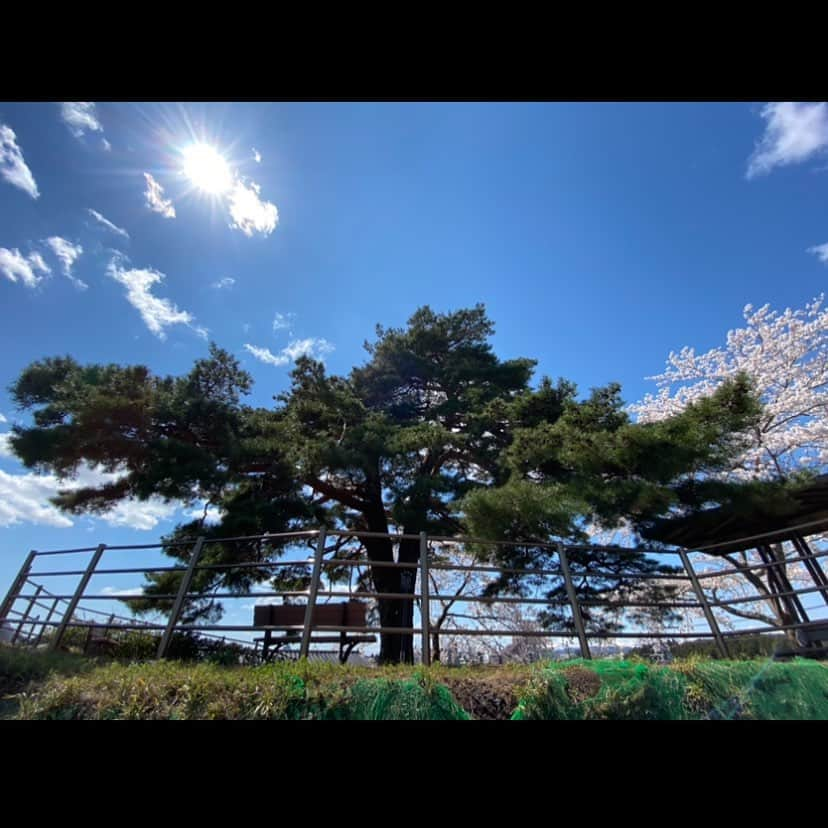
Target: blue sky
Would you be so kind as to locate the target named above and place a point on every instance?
(600, 236)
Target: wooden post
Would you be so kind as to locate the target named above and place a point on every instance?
(708, 613)
(425, 609)
(46, 622)
(312, 593)
(17, 586)
(183, 589)
(25, 618)
(73, 604)
(577, 618)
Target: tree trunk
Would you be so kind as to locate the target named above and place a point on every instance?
(436, 652)
(395, 648)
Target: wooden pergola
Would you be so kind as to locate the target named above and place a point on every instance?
(764, 528)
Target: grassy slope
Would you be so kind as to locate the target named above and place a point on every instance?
(61, 686)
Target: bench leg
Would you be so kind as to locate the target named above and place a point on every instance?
(345, 651)
(266, 644)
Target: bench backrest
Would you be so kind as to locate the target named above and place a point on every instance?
(347, 614)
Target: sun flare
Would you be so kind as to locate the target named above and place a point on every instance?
(207, 169)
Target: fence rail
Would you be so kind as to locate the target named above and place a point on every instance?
(434, 601)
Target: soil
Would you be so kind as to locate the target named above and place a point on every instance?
(486, 697)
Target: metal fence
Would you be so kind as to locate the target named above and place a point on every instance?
(445, 610)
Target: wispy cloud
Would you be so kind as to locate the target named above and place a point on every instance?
(155, 198)
(283, 321)
(15, 266)
(794, 132)
(227, 282)
(316, 348)
(157, 313)
(106, 145)
(12, 166)
(81, 117)
(257, 156)
(68, 254)
(107, 223)
(266, 355)
(820, 251)
(249, 213)
(2, 418)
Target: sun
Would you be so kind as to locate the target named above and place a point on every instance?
(207, 169)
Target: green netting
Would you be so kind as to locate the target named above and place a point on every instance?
(603, 690)
(756, 690)
(381, 699)
(693, 690)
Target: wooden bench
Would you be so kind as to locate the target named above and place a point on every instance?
(813, 641)
(287, 616)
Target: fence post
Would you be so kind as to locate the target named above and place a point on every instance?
(708, 613)
(573, 600)
(314, 589)
(183, 589)
(25, 618)
(73, 604)
(30, 635)
(46, 622)
(17, 585)
(425, 606)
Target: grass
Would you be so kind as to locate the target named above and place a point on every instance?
(39, 685)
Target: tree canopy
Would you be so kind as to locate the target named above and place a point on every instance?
(432, 433)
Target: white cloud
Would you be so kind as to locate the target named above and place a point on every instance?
(820, 251)
(115, 591)
(106, 145)
(107, 223)
(314, 348)
(794, 132)
(157, 313)
(257, 156)
(226, 282)
(155, 198)
(14, 265)
(12, 166)
(283, 321)
(25, 498)
(68, 254)
(80, 117)
(249, 212)
(211, 518)
(266, 355)
(138, 514)
(3, 419)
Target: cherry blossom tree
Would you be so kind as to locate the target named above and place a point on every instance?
(786, 356)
